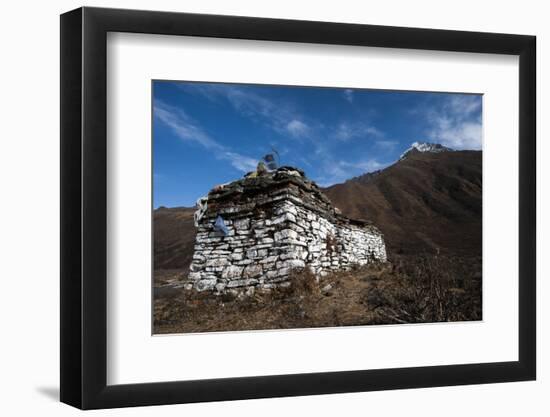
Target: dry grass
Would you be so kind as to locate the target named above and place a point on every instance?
(409, 289)
(428, 289)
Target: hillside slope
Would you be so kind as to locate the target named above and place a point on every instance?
(424, 202)
(173, 237)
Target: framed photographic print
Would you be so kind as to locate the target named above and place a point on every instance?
(258, 207)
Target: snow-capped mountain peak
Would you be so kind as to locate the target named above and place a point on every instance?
(425, 147)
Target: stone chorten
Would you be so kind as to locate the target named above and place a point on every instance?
(274, 223)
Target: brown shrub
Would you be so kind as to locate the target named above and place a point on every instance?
(428, 288)
(303, 282)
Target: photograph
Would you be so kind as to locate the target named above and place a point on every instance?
(286, 207)
(264, 209)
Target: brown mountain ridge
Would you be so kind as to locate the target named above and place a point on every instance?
(422, 203)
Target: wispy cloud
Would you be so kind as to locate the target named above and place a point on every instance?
(338, 171)
(464, 104)
(333, 174)
(335, 171)
(183, 125)
(350, 130)
(457, 122)
(188, 130)
(365, 166)
(348, 95)
(277, 114)
(297, 128)
(386, 145)
(241, 162)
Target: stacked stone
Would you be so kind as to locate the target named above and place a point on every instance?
(276, 224)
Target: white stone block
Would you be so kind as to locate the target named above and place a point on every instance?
(252, 271)
(205, 284)
(232, 272)
(285, 234)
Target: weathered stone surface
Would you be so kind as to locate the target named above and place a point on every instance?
(198, 258)
(285, 217)
(326, 289)
(242, 283)
(252, 271)
(269, 259)
(283, 271)
(285, 234)
(196, 267)
(205, 284)
(291, 264)
(244, 262)
(194, 276)
(237, 256)
(242, 224)
(232, 272)
(216, 262)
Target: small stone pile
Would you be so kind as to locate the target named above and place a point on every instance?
(275, 223)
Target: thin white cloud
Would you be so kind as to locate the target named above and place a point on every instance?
(464, 104)
(344, 132)
(367, 165)
(305, 162)
(456, 123)
(386, 145)
(333, 173)
(183, 125)
(297, 128)
(348, 95)
(336, 172)
(278, 115)
(241, 162)
(188, 130)
(350, 130)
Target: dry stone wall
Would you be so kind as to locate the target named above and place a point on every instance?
(279, 227)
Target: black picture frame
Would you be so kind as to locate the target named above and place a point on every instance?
(84, 207)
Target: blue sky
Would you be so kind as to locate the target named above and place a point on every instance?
(209, 133)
